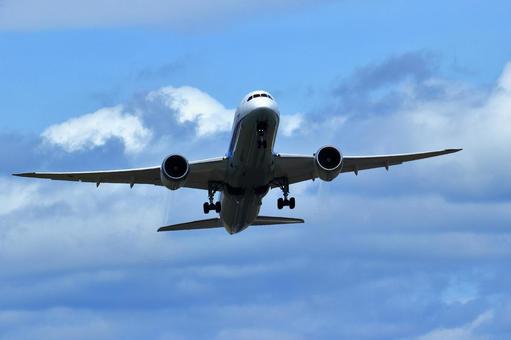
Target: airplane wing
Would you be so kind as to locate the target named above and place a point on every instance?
(201, 172)
(298, 168)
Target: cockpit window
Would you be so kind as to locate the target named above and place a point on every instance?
(259, 95)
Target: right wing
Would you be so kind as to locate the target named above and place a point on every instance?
(298, 168)
(356, 163)
(201, 173)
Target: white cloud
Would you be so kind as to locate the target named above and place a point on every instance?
(291, 123)
(477, 120)
(96, 129)
(37, 14)
(187, 105)
(465, 332)
(195, 106)
(14, 196)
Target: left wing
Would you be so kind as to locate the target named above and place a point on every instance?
(297, 168)
(201, 172)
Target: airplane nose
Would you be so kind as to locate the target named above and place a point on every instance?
(265, 104)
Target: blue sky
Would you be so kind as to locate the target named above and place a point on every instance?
(420, 252)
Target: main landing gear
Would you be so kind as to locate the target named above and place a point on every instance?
(261, 131)
(209, 206)
(285, 202)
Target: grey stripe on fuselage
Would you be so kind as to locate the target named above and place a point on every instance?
(250, 166)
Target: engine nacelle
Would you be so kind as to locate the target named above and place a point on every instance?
(174, 171)
(328, 163)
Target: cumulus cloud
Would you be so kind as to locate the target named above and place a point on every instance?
(152, 122)
(192, 105)
(96, 129)
(291, 123)
(458, 115)
(34, 14)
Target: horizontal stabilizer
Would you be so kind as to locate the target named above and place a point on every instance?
(217, 223)
(202, 224)
(268, 220)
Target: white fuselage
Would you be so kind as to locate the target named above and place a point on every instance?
(250, 155)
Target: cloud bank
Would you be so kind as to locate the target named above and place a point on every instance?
(421, 252)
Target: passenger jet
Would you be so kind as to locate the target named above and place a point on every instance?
(246, 173)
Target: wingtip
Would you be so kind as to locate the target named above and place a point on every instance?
(453, 150)
(24, 174)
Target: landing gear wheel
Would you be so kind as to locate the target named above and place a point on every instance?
(283, 183)
(280, 203)
(213, 187)
(292, 203)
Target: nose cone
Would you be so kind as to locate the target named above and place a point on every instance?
(260, 100)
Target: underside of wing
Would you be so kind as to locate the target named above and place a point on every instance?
(299, 168)
(357, 163)
(200, 174)
(205, 171)
(129, 176)
(296, 168)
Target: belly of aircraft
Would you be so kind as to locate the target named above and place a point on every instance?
(250, 172)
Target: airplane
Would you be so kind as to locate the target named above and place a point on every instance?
(248, 171)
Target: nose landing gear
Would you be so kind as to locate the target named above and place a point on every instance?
(211, 205)
(261, 132)
(283, 183)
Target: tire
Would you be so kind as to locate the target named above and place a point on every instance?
(280, 203)
(292, 203)
(206, 208)
(218, 207)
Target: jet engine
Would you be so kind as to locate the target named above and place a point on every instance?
(328, 163)
(174, 171)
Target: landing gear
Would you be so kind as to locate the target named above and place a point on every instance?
(283, 183)
(261, 131)
(211, 205)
